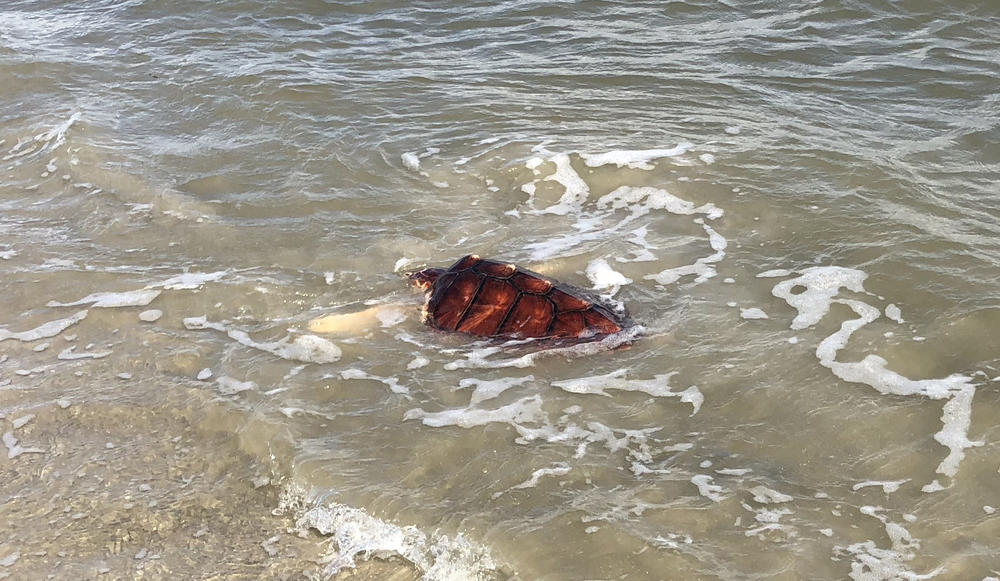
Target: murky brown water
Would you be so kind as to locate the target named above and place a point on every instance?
(798, 202)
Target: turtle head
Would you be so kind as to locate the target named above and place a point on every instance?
(425, 278)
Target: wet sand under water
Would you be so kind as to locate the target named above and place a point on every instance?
(122, 495)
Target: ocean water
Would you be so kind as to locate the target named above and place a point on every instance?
(212, 366)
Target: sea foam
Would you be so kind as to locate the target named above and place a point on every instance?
(304, 348)
(818, 288)
(356, 534)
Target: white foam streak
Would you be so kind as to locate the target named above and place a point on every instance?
(15, 449)
(635, 159)
(304, 348)
(232, 386)
(480, 358)
(391, 382)
(765, 495)
(67, 354)
(642, 200)
(956, 418)
(710, 491)
(639, 201)
(136, 298)
(576, 190)
(487, 390)
(821, 286)
(48, 141)
(643, 252)
(888, 486)
(872, 563)
(558, 469)
(190, 280)
(45, 330)
(527, 409)
(703, 267)
(659, 386)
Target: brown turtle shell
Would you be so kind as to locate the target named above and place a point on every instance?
(497, 299)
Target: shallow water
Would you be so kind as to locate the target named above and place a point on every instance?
(798, 202)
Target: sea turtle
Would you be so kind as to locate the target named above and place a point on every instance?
(491, 298)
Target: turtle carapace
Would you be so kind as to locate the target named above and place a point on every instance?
(491, 298)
